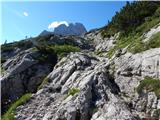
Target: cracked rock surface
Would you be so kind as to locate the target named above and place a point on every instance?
(101, 94)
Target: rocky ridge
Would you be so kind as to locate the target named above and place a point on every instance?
(101, 96)
(83, 85)
(72, 29)
(77, 29)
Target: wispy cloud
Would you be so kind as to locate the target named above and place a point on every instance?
(25, 14)
(56, 24)
(18, 13)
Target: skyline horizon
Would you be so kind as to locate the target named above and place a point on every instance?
(21, 19)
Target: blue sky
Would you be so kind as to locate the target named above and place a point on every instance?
(20, 19)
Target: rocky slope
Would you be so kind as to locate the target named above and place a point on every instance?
(76, 78)
(101, 95)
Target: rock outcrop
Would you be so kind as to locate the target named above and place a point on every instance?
(100, 43)
(22, 73)
(101, 95)
(98, 92)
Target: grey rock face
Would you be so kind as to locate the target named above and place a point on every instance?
(98, 94)
(100, 43)
(130, 69)
(73, 29)
(22, 74)
(102, 95)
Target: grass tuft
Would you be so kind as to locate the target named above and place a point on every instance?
(44, 82)
(9, 115)
(150, 85)
(73, 91)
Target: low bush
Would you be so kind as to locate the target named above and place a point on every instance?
(59, 50)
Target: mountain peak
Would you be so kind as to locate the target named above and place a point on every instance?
(45, 32)
(72, 29)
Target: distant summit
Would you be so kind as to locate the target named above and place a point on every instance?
(73, 29)
(45, 32)
(77, 29)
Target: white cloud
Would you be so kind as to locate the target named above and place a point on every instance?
(56, 24)
(25, 14)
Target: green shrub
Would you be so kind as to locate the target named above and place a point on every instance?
(59, 50)
(9, 115)
(150, 85)
(130, 17)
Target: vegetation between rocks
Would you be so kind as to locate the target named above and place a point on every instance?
(59, 50)
(139, 46)
(73, 91)
(23, 44)
(132, 25)
(135, 44)
(9, 115)
(44, 82)
(150, 85)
